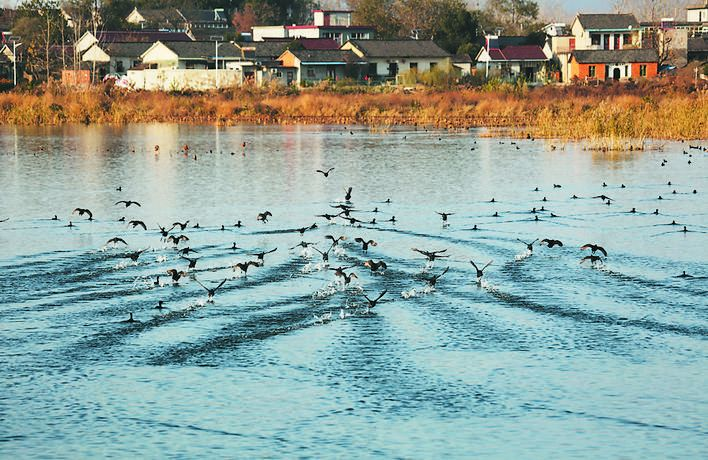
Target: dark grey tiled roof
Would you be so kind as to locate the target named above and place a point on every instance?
(616, 56)
(269, 49)
(400, 49)
(608, 21)
(125, 49)
(203, 50)
(698, 44)
(308, 56)
(162, 16)
(193, 16)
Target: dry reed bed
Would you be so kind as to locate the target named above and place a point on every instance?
(564, 113)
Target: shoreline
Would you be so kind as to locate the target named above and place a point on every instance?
(612, 116)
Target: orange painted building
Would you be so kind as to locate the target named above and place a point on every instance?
(614, 64)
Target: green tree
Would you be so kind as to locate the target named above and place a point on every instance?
(379, 14)
(40, 24)
(514, 16)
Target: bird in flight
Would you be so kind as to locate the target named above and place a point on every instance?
(212, 291)
(176, 274)
(325, 173)
(432, 281)
(480, 271)
(83, 211)
(263, 217)
(137, 223)
(432, 255)
(181, 225)
(116, 240)
(529, 246)
(260, 255)
(594, 248)
(177, 239)
(444, 215)
(373, 302)
(243, 266)
(593, 259)
(550, 243)
(374, 266)
(127, 203)
(365, 244)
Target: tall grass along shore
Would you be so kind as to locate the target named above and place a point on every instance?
(612, 114)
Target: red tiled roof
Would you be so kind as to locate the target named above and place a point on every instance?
(496, 54)
(518, 53)
(318, 43)
(524, 52)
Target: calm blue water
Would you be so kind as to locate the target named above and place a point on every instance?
(545, 358)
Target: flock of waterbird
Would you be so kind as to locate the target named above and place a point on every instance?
(342, 211)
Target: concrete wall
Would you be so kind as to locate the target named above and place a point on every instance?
(261, 32)
(404, 65)
(181, 79)
(697, 15)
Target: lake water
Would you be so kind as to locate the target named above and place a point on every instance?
(546, 358)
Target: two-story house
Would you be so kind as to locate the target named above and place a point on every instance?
(608, 46)
(333, 24)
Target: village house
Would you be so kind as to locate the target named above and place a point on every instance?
(697, 13)
(603, 47)
(510, 58)
(333, 24)
(303, 67)
(210, 24)
(179, 66)
(114, 58)
(387, 59)
(260, 63)
(103, 38)
(614, 64)
(605, 31)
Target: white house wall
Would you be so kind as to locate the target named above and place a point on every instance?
(404, 65)
(182, 79)
(163, 57)
(262, 32)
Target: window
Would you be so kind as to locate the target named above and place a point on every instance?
(433, 65)
(627, 39)
(414, 66)
(606, 41)
(392, 69)
(591, 71)
(595, 38)
(119, 67)
(310, 72)
(626, 71)
(643, 70)
(372, 69)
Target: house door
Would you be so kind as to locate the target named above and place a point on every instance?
(290, 77)
(616, 73)
(392, 69)
(529, 74)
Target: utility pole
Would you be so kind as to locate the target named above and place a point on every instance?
(14, 61)
(216, 62)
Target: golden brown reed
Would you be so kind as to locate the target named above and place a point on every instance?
(613, 116)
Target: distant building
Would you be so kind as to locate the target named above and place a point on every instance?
(511, 58)
(115, 58)
(311, 66)
(389, 58)
(333, 24)
(105, 37)
(605, 31)
(556, 29)
(697, 13)
(210, 24)
(614, 64)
